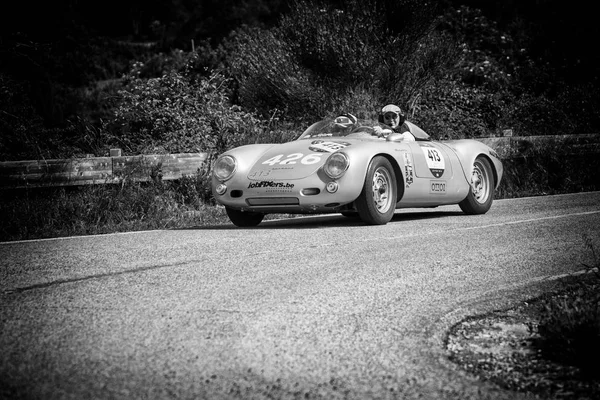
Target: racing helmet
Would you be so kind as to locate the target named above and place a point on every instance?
(392, 108)
(345, 120)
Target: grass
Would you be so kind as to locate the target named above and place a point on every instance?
(96, 209)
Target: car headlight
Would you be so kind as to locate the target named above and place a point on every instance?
(336, 165)
(224, 168)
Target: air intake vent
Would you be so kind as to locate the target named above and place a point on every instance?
(273, 201)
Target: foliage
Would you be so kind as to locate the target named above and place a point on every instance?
(498, 84)
(267, 76)
(490, 55)
(539, 115)
(459, 110)
(475, 99)
(54, 92)
(339, 44)
(456, 110)
(175, 114)
(320, 58)
(555, 35)
(18, 118)
(26, 136)
(321, 53)
(580, 106)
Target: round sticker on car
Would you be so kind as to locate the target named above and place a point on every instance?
(327, 146)
(435, 160)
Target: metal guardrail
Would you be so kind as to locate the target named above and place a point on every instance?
(523, 146)
(101, 170)
(98, 170)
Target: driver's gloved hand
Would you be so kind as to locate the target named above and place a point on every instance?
(381, 132)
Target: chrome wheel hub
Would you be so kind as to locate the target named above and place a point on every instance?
(480, 183)
(381, 190)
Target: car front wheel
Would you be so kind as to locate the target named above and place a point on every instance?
(377, 201)
(244, 219)
(481, 193)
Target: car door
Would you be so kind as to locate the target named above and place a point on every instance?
(430, 175)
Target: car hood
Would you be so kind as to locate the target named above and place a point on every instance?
(295, 160)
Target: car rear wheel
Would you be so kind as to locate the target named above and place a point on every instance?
(244, 219)
(377, 201)
(481, 193)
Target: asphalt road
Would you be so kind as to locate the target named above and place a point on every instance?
(314, 307)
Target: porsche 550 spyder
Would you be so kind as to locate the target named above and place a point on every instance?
(354, 170)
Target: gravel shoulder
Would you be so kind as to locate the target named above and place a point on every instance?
(500, 347)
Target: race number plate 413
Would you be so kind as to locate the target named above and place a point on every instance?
(435, 160)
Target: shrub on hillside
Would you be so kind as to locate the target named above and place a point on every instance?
(320, 54)
(581, 105)
(456, 110)
(492, 56)
(539, 115)
(340, 44)
(268, 76)
(506, 86)
(174, 113)
(25, 135)
(18, 119)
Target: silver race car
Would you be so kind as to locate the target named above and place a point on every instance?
(354, 169)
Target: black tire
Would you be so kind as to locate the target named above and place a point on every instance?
(244, 219)
(377, 201)
(481, 193)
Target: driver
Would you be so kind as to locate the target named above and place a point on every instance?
(395, 121)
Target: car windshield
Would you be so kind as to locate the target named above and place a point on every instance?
(328, 128)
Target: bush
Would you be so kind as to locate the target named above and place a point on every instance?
(503, 85)
(175, 114)
(320, 55)
(18, 120)
(455, 110)
(268, 77)
(538, 115)
(341, 45)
